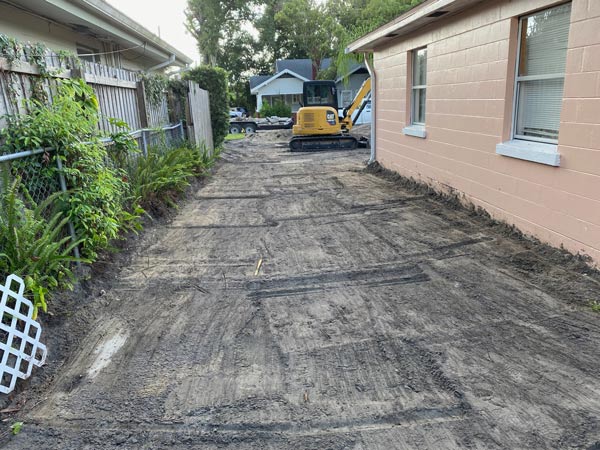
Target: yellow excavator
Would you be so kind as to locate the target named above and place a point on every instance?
(318, 125)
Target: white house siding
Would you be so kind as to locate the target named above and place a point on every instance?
(280, 86)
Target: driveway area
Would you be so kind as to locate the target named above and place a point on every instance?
(298, 302)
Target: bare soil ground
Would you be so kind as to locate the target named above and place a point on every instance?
(297, 301)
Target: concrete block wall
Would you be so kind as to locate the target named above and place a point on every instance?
(470, 83)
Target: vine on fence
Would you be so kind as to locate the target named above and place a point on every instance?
(155, 85)
(37, 55)
(105, 186)
(10, 48)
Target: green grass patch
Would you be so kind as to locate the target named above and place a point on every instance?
(235, 137)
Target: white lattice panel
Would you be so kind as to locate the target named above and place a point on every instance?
(20, 346)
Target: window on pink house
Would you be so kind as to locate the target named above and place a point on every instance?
(540, 74)
(419, 86)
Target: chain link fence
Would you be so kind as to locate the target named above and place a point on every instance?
(28, 165)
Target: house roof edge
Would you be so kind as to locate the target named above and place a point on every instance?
(111, 13)
(426, 13)
(277, 75)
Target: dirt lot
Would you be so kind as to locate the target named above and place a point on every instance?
(298, 302)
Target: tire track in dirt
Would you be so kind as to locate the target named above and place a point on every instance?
(378, 321)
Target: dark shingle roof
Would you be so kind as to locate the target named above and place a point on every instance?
(258, 80)
(302, 67)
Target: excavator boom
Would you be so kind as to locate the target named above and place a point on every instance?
(362, 93)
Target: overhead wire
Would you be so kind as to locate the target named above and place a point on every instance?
(143, 44)
(48, 19)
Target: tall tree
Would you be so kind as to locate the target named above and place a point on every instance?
(307, 31)
(347, 13)
(357, 18)
(212, 22)
(270, 37)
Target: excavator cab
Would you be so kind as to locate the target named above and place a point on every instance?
(319, 93)
(318, 126)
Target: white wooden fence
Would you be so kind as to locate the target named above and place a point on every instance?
(199, 126)
(120, 95)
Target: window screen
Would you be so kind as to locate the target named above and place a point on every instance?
(540, 73)
(419, 85)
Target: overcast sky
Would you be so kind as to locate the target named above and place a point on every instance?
(168, 15)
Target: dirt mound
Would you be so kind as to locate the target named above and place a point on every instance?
(270, 136)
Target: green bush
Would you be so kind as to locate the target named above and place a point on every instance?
(214, 80)
(279, 109)
(98, 194)
(32, 247)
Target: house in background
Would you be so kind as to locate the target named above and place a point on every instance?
(93, 29)
(498, 101)
(286, 84)
(350, 83)
(290, 74)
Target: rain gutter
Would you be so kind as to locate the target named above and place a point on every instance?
(166, 63)
(373, 139)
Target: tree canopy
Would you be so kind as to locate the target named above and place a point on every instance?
(246, 37)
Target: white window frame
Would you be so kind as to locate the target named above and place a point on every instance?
(415, 129)
(414, 88)
(529, 148)
(518, 79)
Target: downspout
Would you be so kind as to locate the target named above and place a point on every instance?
(373, 139)
(168, 62)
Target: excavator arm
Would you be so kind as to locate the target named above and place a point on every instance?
(363, 92)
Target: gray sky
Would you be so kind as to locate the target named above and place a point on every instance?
(168, 15)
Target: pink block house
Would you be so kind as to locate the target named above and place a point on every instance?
(500, 101)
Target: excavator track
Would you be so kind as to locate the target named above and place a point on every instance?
(316, 143)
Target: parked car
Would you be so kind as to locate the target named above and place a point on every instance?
(238, 111)
(233, 113)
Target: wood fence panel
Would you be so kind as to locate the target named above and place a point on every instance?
(199, 126)
(158, 115)
(116, 89)
(117, 95)
(119, 103)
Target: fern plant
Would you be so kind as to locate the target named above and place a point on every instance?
(169, 171)
(32, 247)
